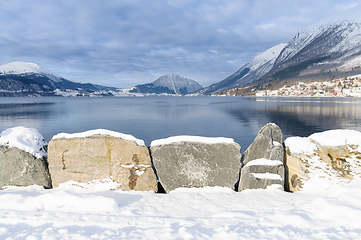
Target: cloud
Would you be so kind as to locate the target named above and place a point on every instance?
(125, 43)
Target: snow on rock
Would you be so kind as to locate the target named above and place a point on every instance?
(26, 139)
(299, 145)
(268, 176)
(265, 157)
(100, 132)
(99, 154)
(185, 138)
(190, 161)
(263, 161)
(332, 155)
(339, 137)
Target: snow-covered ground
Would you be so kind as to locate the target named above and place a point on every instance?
(325, 208)
(93, 211)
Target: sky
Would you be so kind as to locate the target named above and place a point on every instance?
(129, 42)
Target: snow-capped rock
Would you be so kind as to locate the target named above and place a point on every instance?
(169, 84)
(333, 155)
(23, 158)
(250, 72)
(263, 160)
(194, 162)
(99, 154)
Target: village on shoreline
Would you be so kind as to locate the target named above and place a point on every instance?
(341, 87)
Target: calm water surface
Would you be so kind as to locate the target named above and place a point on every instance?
(153, 118)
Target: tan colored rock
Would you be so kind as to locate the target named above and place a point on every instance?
(296, 170)
(100, 156)
(336, 157)
(333, 155)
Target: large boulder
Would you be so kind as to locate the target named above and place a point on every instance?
(23, 158)
(334, 155)
(100, 154)
(190, 161)
(263, 160)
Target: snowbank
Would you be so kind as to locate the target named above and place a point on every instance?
(93, 211)
(26, 139)
(100, 132)
(185, 138)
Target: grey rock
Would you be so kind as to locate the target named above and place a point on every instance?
(196, 164)
(267, 145)
(19, 168)
(250, 180)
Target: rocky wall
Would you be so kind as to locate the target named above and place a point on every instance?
(191, 162)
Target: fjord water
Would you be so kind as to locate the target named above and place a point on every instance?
(151, 118)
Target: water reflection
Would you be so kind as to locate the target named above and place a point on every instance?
(159, 117)
(303, 117)
(28, 110)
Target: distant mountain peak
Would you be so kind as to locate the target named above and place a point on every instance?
(170, 84)
(351, 15)
(29, 79)
(330, 41)
(328, 48)
(252, 71)
(19, 67)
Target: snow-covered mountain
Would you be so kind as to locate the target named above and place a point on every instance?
(332, 44)
(24, 68)
(326, 49)
(250, 72)
(169, 84)
(30, 79)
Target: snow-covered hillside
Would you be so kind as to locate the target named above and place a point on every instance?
(169, 84)
(22, 68)
(326, 49)
(250, 72)
(334, 39)
(30, 79)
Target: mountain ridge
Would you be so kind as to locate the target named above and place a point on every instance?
(30, 79)
(258, 67)
(326, 49)
(168, 84)
(326, 45)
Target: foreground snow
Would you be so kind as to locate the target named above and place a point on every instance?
(93, 211)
